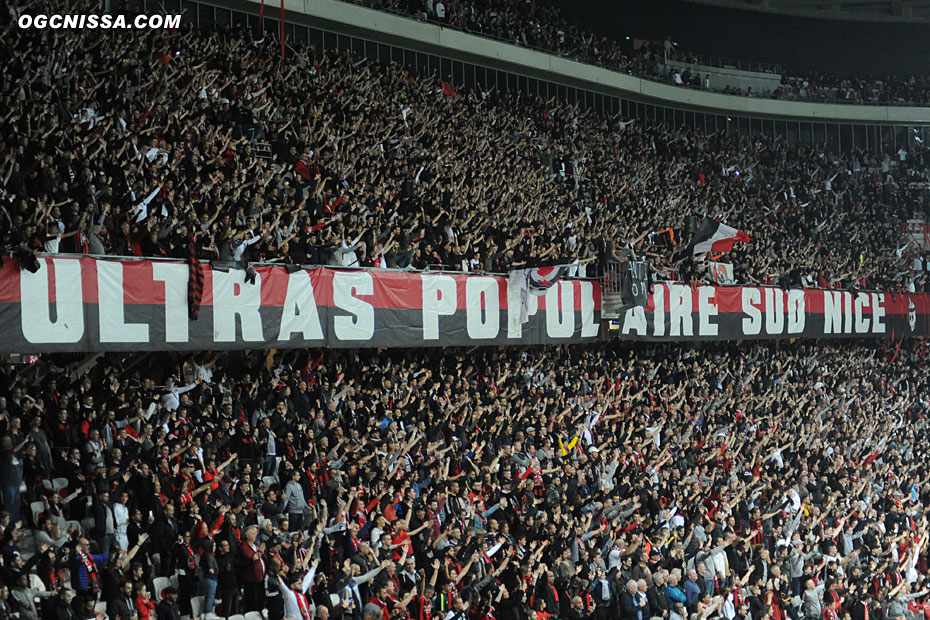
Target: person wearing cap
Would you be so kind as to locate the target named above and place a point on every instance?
(223, 492)
(294, 591)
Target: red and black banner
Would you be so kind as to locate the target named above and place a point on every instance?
(89, 304)
(84, 304)
(681, 312)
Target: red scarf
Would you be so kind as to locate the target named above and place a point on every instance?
(191, 557)
(93, 581)
(302, 604)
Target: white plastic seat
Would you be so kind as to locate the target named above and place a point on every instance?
(59, 483)
(254, 615)
(196, 606)
(35, 583)
(37, 508)
(159, 584)
(269, 481)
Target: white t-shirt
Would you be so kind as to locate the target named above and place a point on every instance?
(51, 244)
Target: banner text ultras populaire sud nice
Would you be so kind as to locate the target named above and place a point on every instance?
(88, 304)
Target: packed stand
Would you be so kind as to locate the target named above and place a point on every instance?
(614, 481)
(889, 91)
(541, 26)
(326, 159)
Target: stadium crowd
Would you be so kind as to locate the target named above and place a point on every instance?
(627, 482)
(542, 26)
(127, 145)
(608, 482)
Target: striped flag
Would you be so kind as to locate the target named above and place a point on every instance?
(713, 236)
(194, 277)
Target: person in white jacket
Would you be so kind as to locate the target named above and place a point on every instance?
(296, 603)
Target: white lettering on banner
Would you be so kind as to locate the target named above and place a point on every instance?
(361, 325)
(797, 313)
(679, 311)
(589, 327)
(862, 320)
(299, 314)
(878, 313)
(635, 320)
(35, 310)
(560, 310)
(847, 311)
(175, 278)
(482, 297)
(832, 312)
(111, 308)
(438, 300)
(232, 297)
(752, 324)
(706, 310)
(774, 311)
(658, 315)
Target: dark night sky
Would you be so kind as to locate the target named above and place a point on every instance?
(798, 44)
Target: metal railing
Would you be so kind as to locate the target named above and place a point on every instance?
(720, 62)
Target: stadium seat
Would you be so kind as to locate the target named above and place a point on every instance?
(269, 481)
(158, 585)
(36, 583)
(101, 610)
(238, 617)
(37, 508)
(59, 484)
(254, 615)
(196, 606)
